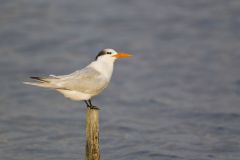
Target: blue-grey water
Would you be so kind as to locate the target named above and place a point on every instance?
(177, 99)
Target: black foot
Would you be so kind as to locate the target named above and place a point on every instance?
(94, 107)
(89, 104)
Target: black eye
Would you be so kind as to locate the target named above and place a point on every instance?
(109, 53)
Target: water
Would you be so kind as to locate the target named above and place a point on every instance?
(178, 98)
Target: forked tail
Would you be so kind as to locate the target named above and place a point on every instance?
(40, 82)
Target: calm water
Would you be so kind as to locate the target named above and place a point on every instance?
(177, 99)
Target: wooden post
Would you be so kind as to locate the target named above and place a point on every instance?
(92, 134)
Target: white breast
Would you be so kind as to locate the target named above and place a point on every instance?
(75, 95)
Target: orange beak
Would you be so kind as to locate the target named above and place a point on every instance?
(122, 55)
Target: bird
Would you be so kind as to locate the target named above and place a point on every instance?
(82, 85)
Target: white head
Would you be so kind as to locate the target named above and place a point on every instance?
(105, 59)
(110, 55)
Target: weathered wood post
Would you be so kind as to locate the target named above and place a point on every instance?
(92, 134)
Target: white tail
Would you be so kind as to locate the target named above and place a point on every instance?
(45, 85)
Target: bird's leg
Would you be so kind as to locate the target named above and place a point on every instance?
(91, 106)
(86, 102)
(89, 101)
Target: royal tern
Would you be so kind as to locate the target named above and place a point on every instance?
(86, 83)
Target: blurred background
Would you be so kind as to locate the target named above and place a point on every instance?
(178, 98)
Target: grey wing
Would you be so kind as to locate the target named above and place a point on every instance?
(87, 80)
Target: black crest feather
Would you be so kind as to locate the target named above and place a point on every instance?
(100, 54)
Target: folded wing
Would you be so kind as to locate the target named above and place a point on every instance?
(87, 80)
